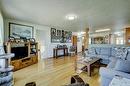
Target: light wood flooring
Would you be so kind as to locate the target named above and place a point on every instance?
(53, 72)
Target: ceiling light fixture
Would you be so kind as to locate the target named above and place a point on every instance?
(71, 17)
(102, 30)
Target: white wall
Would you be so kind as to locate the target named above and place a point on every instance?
(48, 46)
(1, 36)
(79, 41)
(79, 45)
(1, 29)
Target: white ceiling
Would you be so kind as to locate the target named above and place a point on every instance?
(113, 14)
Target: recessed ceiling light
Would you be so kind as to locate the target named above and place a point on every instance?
(71, 17)
(102, 30)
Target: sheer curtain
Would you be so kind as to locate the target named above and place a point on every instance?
(1, 36)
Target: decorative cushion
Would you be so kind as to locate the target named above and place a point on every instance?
(98, 49)
(123, 65)
(91, 51)
(121, 53)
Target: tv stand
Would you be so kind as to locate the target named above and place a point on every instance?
(23, 62)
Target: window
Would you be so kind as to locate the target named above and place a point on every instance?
(89, 40)
(119, 40)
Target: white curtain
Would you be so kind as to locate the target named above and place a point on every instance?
(1, 36)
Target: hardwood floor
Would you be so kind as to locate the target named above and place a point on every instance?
(52, 72)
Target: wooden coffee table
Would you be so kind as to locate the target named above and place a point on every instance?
(88, 64)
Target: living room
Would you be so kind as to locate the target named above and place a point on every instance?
(60, 42)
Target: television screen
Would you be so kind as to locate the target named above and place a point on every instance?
(20, 52)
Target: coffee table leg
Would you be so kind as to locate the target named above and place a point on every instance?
(89, 70)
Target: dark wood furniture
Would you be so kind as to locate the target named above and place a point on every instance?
(87, 65)
(55, 52)
(30, 84)
(74, 41)
(127, 36)
(31, 58)
(76, 79)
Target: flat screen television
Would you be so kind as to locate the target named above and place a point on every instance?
(20, 52)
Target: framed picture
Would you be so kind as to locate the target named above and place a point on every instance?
(20, 31)
(59, 33)
(63, 33)
(60, 36)
(53, 32)
(53, 35)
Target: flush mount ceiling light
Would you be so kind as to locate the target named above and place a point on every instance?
(102, 30)
(71, 17)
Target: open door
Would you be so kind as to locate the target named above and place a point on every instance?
(74, 41)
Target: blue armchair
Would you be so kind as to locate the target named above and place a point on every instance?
(6, 74)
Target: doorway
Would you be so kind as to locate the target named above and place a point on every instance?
(41, 37)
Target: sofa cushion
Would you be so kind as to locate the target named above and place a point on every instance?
(128, 56)
(90, 53)
(98, 49)
(112, 63)
(113, 58)
(123, 66)
(113, 52)
(104, 57)
(105, 51)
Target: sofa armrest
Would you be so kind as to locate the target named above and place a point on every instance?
(110, 73)
(6, 55)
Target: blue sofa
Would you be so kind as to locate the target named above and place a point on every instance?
(109, 72)
(106, 53)
(110, 56)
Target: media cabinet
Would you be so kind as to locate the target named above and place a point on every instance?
(26, 60)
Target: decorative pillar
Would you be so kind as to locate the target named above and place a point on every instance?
(127, 36)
